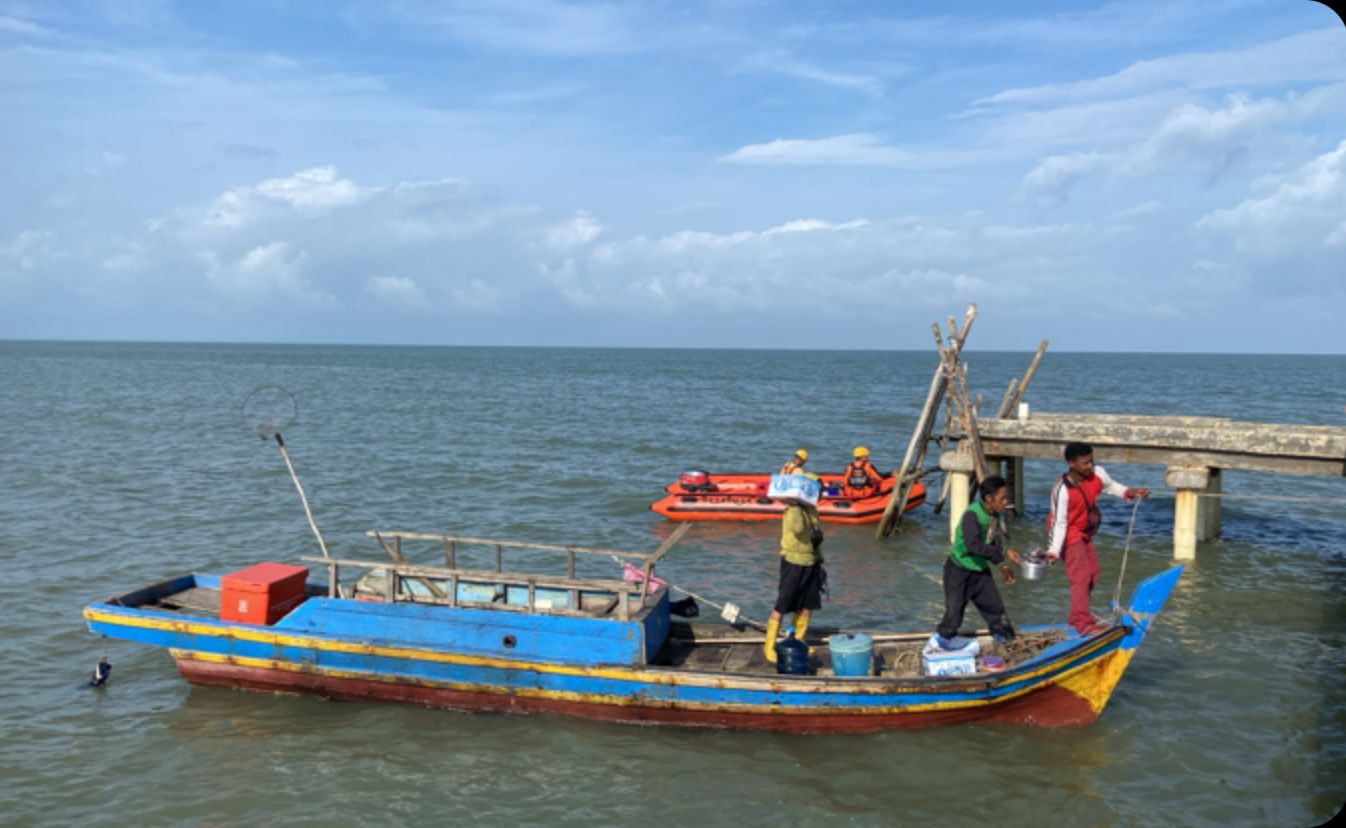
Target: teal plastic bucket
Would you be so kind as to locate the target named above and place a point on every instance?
(852, 654)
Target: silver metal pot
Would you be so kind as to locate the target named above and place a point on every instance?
(1033, 568)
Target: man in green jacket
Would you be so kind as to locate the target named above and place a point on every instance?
(802, 577)
(967, 572)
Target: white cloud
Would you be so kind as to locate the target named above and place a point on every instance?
(29, 252)
(782, 63)
(1053, 179)
(860, 149)
(1142, 209)
(268, 270)
(475, 295)
(1306, 214)
(577, 231)
(812, 225)
(23, 27)
(106, 163)
(832, 268)
(318, 188)
(541, 26)
(1313, 56)
(1210, 139)
(1212, 134)
(397, 290)
(308, 192)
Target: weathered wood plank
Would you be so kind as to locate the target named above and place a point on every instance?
(551, 547)
(486, 575)
(1235, 438)
(916, 447)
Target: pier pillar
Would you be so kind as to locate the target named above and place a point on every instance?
(958, 465)
(1190, 482)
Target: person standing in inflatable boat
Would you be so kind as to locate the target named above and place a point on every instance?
(795, 465)
(860, 477)
(802, 577)
(1073, 521)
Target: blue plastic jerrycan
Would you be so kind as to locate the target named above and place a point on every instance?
(792, 656)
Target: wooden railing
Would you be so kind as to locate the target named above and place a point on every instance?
(452, 575)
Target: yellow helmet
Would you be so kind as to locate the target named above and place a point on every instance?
(860, 451)
(801, 454)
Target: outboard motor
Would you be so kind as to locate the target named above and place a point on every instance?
(695, 480)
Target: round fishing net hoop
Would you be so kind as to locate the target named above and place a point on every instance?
(268, 409)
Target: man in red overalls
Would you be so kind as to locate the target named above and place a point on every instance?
(1073, 521)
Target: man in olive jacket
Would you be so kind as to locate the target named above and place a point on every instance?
(802, 577)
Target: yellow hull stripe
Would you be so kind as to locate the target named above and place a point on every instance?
(1083, 680)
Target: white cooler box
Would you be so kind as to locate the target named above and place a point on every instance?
(794, 487)
(959, 662)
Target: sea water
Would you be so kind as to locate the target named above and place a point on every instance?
(123, 464)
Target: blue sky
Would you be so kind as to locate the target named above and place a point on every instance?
(1147, 176)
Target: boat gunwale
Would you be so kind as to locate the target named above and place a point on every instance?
(1078, 653)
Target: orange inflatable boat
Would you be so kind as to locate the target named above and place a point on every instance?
(704, 496)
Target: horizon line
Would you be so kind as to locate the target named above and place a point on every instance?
(318, 344)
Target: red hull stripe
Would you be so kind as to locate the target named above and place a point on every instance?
(1050, 706)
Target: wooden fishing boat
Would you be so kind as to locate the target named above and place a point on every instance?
(608, 649)
(743, 497)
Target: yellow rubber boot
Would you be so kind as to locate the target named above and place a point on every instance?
(802, 626)
(769, 648)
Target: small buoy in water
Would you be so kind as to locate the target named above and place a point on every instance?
(100, 672)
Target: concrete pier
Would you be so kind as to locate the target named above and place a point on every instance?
(959, 466)
(1193, 451)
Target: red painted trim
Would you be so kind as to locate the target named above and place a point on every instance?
(1049, 707)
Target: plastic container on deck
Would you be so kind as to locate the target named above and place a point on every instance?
(262, 593)
(959, 661)
(792, 656)
(852, 654)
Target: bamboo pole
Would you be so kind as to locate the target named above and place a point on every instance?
(280, 442)
(1028, 375)
(892, 512)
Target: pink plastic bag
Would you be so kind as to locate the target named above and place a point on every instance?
(632, 573)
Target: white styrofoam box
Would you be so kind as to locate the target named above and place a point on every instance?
(958, 662)
(794, 487)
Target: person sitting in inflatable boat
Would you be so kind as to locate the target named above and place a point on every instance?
(861, 479)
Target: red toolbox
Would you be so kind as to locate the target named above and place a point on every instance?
(263, 593)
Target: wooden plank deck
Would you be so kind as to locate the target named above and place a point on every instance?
(194, 601)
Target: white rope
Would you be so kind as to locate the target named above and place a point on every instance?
(1117, 593)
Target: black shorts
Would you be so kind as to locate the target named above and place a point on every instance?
(801, 587)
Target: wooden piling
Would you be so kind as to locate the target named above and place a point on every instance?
(905, 475)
